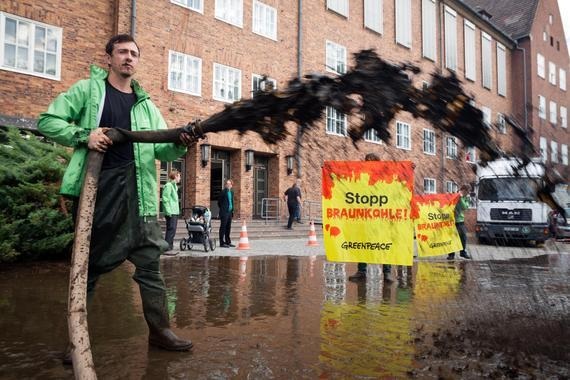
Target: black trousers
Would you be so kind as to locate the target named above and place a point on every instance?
(462, 231)
(171, 224)
(292, 213)
(225, 228)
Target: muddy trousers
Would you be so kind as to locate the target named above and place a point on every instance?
(120, 234)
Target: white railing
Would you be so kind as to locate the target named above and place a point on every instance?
(271, 209)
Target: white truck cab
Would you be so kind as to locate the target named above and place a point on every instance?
(507, 204)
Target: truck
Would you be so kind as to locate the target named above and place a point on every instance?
(508, 208)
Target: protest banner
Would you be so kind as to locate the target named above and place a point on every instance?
(434, 220)
(366, 209)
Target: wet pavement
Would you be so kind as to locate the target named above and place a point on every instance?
(265, 314)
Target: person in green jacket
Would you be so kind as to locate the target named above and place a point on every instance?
(171, 206)
(125, 225)
(460, 207)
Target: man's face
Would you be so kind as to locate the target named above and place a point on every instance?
(124, 59)
(229, 185)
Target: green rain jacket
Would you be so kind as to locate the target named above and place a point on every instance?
(72, 116)
(170, 199)
(460, 207)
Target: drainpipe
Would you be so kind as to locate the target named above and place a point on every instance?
(524, 87)
(300, 129)
(133, 18)
(440, 21)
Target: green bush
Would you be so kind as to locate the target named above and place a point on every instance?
(33, 220)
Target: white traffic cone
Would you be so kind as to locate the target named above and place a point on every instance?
(312, 236)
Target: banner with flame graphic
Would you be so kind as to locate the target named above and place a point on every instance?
(435, 224)
(367, 211)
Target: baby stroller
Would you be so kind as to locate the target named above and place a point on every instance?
(199, 228)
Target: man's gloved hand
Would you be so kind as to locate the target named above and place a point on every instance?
(98, 140)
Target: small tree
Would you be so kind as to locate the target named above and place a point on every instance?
(34, 222)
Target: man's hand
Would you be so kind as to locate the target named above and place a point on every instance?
(186, 139)
(98, 140)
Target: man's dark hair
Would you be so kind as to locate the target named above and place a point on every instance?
(118, 39)
(372, 157)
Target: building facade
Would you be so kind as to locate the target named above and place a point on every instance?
(199, 55)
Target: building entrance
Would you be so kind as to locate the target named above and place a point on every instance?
(219, 172)
(259, 184)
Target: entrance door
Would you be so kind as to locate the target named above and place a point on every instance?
(219, 172)
(259, 184)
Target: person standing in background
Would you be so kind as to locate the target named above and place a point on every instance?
(292, 197)
(226, 205)
(171, 207)
(460, 207)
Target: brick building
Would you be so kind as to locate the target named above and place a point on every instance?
(198, 55)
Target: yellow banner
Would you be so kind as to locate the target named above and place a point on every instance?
(367, 212)
(434, 219)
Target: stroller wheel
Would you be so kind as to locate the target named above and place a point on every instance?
(212, 244)
(206, 245)
(183, 244)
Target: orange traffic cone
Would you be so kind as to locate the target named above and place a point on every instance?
(243, 240)
(312, 236)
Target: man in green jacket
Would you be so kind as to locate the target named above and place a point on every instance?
(125, 223)
(171, 206)
(460, 207)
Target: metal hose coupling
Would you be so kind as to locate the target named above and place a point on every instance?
(194, 129)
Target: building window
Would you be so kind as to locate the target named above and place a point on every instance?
(230, 11)
(543, 149)
(195, 5)
(470, 154)
(403, 135)
(486, 116)
(564, 154)
(429, 186)
(429, 141)
(404, 22)
(258, 83)
(501, 70)
(450, 147)
(540, 66)
(338, 6)
(502, 125)
(486, 60)
(374, 15)
(550, 19)
(553, 114)
(451, 187)
(227, 83)
(562, 79)
(470, 60)
(552, 73)
(184, 73)
(371, 135)
(264, 20)
(336, 122)
(450, 39)
(544, 36)
(554, 152)
(429, 46)
(563, 117)
(336, 58)
(30, 47)
(541, 107)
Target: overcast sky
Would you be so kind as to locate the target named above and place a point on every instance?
(564, 6)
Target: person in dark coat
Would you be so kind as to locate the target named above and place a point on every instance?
(226, 205)
(292, 197)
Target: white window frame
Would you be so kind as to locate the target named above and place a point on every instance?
(429, 30)
(230, 11)
(190, 73)
(404, 22)
(336, 122)
(487, 116)
(563, 117)
(55, 36)
(451, 147)
(256, 79)
(403, 135)
(451, 187)
(501, 70)
(541, 107)
(470, 154)
(189, 4)
(540, 66)
(564, 154)
(469, 30)
(553, 151)
(335, 58)
(552, 73)
(338, 6)
(553, 112)
(501, 124)
(372, 136)
(228, 73)
(487, 60)
(430, 185)
(543, 149)
(429, 142)
(374, 15)
(562, 79)
(450, 38)
(264, 20)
